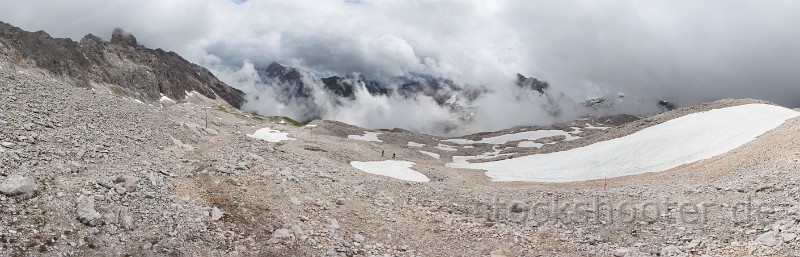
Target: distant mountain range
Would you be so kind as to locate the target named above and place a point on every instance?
(295, 85)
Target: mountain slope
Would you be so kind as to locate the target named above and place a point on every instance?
(122, 65)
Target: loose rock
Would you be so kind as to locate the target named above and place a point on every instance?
(216, 214)
(15, 185)
(86, 212)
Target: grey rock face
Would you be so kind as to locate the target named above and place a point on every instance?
(15, 185)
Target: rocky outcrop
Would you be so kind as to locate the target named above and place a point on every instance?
(532, 84)
(346, 87)
(122, 65)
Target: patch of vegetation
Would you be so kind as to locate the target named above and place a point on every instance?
(293, 122)
(221, 108)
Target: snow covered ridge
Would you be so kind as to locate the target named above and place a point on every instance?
(368, 136)
(270, 135)
(395, 169)
(683, 140)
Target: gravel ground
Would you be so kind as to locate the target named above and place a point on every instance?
(85, 172)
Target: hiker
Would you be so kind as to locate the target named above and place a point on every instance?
(382, 153)
(393, 155)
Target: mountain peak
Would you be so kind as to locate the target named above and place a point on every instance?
(532, 83)
(120, 36)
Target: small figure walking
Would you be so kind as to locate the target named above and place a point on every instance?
(393, 155)
(382, 151)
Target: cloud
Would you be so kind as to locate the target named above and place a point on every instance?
(684, 51)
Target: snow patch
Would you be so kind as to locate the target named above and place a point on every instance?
(368, 136)
(444, 147)
(434, 155)
(270, 135)
(413, 144)
(590, 126)
(530, 144)
(191, 93)
(683, 140)
(395, 169)
(164, 98)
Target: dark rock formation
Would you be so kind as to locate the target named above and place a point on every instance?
(666, 105)
(532, 84)
(122, 65)
(119, 36)
(345, 87)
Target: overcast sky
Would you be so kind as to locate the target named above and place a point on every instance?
(687, 51)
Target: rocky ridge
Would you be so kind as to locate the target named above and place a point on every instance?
(121, 65)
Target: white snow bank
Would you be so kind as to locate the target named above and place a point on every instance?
(368, 136)
(502, 139)
(661, 147)
(444, 147)
(413, 144)
(530, 144)
(270, 135)
(395, 169)
(434, 155)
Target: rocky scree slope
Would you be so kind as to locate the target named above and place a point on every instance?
(121, 65)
